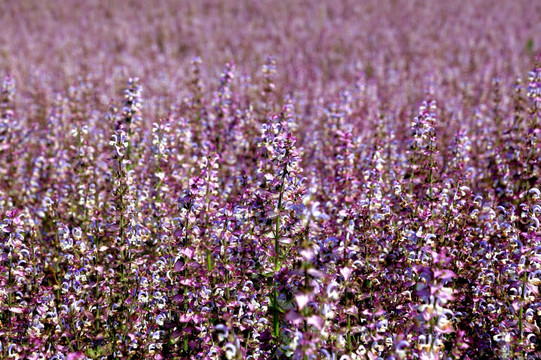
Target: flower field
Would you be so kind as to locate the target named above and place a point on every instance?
(335, 180)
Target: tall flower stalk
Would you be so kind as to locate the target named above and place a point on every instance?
(280, 184)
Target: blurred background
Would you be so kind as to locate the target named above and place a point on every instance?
(403, 48)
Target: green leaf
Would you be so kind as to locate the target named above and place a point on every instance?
(529, 46)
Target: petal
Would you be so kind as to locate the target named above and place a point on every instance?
(294, 317)
(302, 300)
(316, 321)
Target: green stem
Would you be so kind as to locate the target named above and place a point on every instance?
(348, 336)
(277, 230)
(275, 319)
(520, 320)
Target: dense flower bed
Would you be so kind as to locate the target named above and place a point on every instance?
(370, 191)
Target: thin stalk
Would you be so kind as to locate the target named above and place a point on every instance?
(348, 336)
(210, 265)
(344, 255)
(275, 319)
(277, 229)
(10, 291)
(431, 191)
(430, 179)
(521, 311)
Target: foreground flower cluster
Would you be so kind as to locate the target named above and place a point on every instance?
(243, 222)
